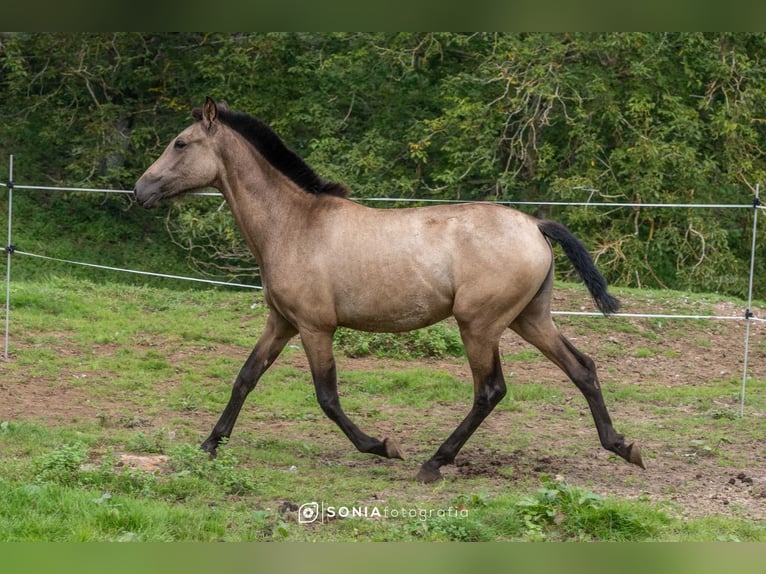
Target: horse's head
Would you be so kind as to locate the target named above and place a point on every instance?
(189, 162)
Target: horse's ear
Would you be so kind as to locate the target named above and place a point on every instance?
(209, 111)
(222, 105)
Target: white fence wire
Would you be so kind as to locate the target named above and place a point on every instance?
(747, 316)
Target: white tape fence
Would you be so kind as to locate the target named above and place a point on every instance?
(747, 316)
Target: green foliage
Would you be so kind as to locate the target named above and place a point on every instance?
(90, 228)
(436, 341)
(61, 465)
(69, 465)
(191, 469)
(559, 511)
(225, 471)
(608, 117)
(140, 442)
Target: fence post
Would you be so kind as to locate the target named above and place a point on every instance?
(8, 253)
(748, 312)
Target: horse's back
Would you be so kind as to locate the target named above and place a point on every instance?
(478, 240)
(403, 269)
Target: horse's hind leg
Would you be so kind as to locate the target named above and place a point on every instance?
(318, 347)
(535, 325)
(274, 338)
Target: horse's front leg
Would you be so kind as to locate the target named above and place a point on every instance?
(274, 338)
(318, 347)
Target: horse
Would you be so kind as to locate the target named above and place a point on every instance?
(327, 262)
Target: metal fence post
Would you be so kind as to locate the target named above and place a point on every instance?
(748, 312)
(8, 253)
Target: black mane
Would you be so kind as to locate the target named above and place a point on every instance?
(271, 147)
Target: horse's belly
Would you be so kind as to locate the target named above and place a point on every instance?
(392, 312)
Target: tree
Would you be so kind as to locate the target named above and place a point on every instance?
(618, 117)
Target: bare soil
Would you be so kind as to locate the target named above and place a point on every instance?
(689, 478)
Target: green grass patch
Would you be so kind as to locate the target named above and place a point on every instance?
(70, 493)
(437, 341)
(526, 355)
(417, 388)
(158, 365)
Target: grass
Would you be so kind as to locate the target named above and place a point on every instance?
(90, 228)
(436, 341)
(151, 368)
(60, 498)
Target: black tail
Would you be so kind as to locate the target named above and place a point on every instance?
(583, 264)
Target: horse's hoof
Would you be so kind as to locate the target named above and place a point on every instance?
(210, 448)
(427, 475)
(392, 448)
(634, 455)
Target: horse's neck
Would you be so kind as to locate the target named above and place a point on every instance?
(265, 204)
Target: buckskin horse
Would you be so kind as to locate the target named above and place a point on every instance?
(329, 262)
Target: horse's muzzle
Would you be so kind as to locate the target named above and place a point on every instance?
(146, 195)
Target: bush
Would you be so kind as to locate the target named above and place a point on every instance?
(434, 342)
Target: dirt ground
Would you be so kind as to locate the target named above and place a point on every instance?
(687, 478)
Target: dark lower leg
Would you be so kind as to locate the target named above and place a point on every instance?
(582, 371)
(275, 337)
(486, 396)
(327, 396)
(534, 324)
(449, 449)
(318, 347)
(587, 382)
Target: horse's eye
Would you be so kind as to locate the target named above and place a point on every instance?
(179, 144)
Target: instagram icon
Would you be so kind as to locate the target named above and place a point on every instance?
(308, 513)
